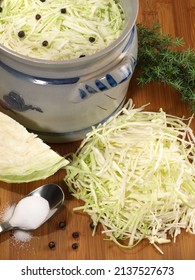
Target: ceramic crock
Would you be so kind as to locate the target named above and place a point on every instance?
(61, 100)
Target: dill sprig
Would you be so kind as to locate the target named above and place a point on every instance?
(159, 60)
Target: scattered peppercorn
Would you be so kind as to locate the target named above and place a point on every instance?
(42, 0)
(82, 55)
(1, 9)
(91, 39)
(63, 10)
(21, 34)
(52, 245)
(37, 16)
(75, 246)
(62, 224)
(75, 234)
(91, 225)
(45, 43)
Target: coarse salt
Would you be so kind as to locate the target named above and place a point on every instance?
(30, 212)
(22, 236)
(8, 212)
(18, 235)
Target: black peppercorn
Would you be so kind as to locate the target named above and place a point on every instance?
(82, 55)
(91, 39)
(1, 9)
(91, 225)
(37, 16)
(21, 34)
(63, 10)
(75, 246)
(75, 234)
(45, 43)
(42, 0)
(62, 224)
(51, 244)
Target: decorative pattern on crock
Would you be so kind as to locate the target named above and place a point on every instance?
(110, 80)
(15, 102)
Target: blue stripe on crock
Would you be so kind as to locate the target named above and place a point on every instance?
(39, 80)
(112, 82)
(101, 86)
(90, 89)
(130, 40)
(72, 134)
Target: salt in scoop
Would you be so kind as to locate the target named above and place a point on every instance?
(35, 208)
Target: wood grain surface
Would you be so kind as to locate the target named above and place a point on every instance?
(176, 17)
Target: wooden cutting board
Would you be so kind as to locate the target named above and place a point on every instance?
(176, 17)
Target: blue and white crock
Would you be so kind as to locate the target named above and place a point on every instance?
(61, 100)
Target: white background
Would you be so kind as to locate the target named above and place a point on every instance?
(13, 269)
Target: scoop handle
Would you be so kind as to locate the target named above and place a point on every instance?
(5, 227)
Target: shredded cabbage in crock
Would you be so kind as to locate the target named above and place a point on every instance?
(60, 29)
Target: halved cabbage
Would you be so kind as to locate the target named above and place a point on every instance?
(23, 156)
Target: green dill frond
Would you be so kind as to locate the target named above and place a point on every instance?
(159, 60)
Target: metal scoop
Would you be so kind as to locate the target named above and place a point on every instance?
(52, 193)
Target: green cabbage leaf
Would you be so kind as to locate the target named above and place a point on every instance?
(23, 156)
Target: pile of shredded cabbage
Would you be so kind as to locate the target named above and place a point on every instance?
(64, 26)
(136, 176)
